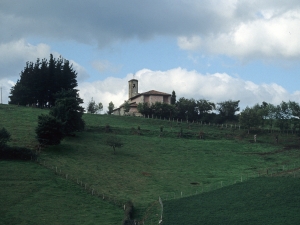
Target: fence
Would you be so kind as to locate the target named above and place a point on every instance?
(87, 187)
(292, 170)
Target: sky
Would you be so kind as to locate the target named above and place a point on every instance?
(218, 50)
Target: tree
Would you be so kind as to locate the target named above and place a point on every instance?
(111, 107)
(40, 81)
(49, 130)
(4, 137)
(68, 110)
(144, 109)
(114, 142)
(187, 109)
(100, 107)
(250, 117)
(126, 107)
(227, 109)
(173, 98)
(205, 107)
(283, 115)
(92, 107)
(295, 109)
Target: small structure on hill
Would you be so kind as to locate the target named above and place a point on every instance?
(134, 98)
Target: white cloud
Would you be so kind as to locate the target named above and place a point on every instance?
(82, 74)
(5, 85)
(189, 84)
(15, 54)
(267, 37)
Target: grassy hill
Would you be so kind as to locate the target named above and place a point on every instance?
(149, 166)
(257, 201)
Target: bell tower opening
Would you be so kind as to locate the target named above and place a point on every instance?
(132, 88)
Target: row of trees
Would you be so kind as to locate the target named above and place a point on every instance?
(40, 81)
(193, 110)
(285, 116)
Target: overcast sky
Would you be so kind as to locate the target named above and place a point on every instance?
(207, 49)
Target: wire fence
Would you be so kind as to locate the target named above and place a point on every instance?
(292, 170)
(84, 185)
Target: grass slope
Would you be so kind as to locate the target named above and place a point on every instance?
(149, 166)
(31, 194)
(257, 201)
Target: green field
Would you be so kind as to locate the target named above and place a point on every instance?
(258, 201)
(31, 194)
(149, 166)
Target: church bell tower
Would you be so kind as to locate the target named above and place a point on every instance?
(132, 88)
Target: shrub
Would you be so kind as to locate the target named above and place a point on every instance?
(4, 137)
(49, 130)
(19, 153)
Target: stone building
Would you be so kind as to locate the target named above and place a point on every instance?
(134, 98)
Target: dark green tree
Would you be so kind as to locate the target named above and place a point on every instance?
(67, 109)
(40, 81)
(205, 108)
(49, 130)
(173, 98)
(283, 116)
(111, 107)
(144, 109)
(250, 117)
(4, 137)
(114, 142)
(228, 109)
(187, 109)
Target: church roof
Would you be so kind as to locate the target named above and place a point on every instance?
(152, 92)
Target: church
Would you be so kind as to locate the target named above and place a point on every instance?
(134, 98)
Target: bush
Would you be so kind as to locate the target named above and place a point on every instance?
(49, 130)
(4, 137)
(19, 153)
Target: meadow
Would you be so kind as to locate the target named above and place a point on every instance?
(156, 163)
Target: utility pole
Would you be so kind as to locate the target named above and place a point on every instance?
(1, 95)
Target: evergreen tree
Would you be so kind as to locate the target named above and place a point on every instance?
(49, 130)
(67, 109)
(173, 98)
(40, 81)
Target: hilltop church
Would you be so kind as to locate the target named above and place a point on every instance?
(134, 98)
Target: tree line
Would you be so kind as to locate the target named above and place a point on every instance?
(284, 116)
(192, 110)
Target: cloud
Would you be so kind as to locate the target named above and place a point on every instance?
(215, 87)
(238, 28)
(270, 36)
(105, 66)
(5, 85)
(15, 54)
(82, 74)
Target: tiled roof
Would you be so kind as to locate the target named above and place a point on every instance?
(152, 92)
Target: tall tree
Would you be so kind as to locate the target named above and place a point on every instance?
(173, 98)
(111, 107)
